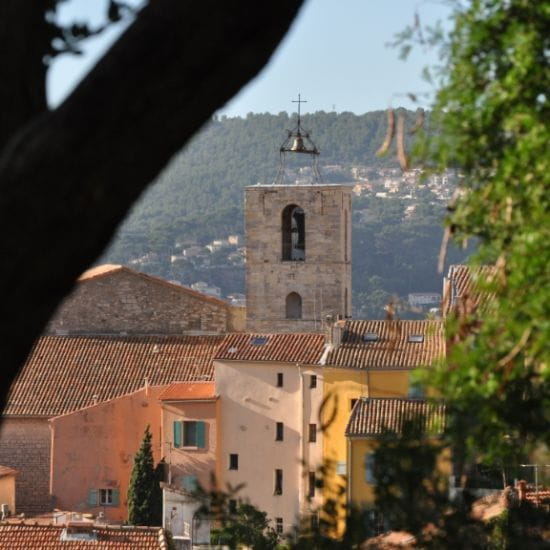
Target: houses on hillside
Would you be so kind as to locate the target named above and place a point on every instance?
(257, 398)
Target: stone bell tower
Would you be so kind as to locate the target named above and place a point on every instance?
(298, 249)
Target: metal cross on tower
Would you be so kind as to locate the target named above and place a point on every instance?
(298, 141)
(299, 101)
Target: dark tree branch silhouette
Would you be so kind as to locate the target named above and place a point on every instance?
(69, 176)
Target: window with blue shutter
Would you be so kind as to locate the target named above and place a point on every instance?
(201, 429)
(116, 497)
(93, 497)
(177, 434)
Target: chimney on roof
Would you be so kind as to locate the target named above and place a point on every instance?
(95, 399)
(334, 329)
(146, 386)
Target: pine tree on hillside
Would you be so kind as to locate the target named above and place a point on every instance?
(144, 492)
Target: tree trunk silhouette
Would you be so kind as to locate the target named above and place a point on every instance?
(69, 176)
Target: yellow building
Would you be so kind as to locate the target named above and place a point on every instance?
(368, 359)
(370, 419)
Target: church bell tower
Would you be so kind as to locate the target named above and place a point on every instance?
(298, 248)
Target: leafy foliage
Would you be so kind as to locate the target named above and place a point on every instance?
(247, 526)
(493, 115)
(144, 492)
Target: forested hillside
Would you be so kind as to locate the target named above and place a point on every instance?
(199, 198)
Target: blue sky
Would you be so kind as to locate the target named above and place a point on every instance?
(335, 55)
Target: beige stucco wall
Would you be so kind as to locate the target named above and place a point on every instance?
(323, 280)
(25, 446)
(7, 492)
(94, 448)
(126, 302)
(190, 461)
(250, 406)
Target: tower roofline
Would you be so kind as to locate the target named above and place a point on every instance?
(300, 185)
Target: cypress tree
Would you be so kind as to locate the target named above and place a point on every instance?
(144, 492)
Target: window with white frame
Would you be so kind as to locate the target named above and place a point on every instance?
(103, 497)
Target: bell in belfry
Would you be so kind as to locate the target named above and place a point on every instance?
(298, 145)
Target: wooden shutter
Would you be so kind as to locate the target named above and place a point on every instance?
(93, 496)
(201, 429)
(116, 497)
(177, 434)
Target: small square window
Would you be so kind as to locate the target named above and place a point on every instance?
(415, 338)
(312, 435)
(341, 468)
(278, 490)
(370, 337)
(279, 431)
(233, 461)
(311, 484)
(279, 379)
(313, 381)
(279, 526)
(258, 341)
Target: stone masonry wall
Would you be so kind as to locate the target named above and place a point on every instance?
(25, 446)
(128, 302)
(323, 280)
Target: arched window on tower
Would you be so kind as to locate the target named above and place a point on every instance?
(294, 233)
(293, 306)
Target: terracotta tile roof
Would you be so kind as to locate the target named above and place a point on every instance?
(461, 286)
(387, 345)
(45, 537)
(109, 269)
(373, 416)
(63, 373)
(287, 348)
(7, 471)
(189, 390)
(543, 496)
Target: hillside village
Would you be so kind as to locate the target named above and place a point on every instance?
(261, 395)
(278, 391)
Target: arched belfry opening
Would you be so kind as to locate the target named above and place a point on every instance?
(294, 233)
(293, 306)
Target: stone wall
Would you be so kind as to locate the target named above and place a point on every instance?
(323, 279)
(124, 301)
(25, 446)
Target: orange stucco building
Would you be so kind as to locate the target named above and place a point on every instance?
(92, 452)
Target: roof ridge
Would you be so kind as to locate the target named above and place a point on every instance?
(90, 274)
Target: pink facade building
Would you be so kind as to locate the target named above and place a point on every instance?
(92, 452)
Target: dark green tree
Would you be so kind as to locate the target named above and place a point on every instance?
(247, 526)
(144, 492)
